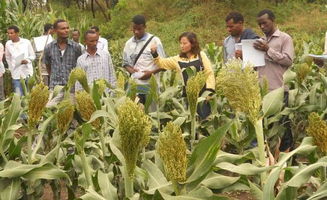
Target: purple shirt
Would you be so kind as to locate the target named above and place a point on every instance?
(278, 59)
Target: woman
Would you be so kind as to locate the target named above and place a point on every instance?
(190, 55)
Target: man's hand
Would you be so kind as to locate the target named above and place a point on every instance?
(238, 54)
(24, 62)
(147, 75)
(261, 45)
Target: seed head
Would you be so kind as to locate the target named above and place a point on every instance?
(65, 115)
(78, 74)
(37, 103)
(318, 130)
(241, 88)
(193, 88)
(302, 70)
(171, 148)
(134, 129)
(86, 107)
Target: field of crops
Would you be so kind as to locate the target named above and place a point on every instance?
(99, 146)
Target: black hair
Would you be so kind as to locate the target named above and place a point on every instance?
(270, 14)
(76, 30)
(47, 27)
(89, 32)
(15, 28)
(55, 24)
(96, 28)
(192, 38)
(139, 19)
(236, 16)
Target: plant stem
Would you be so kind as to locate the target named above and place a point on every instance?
(129, 191)
(29, 145)
(58, 148)
(103, 145)
(193, 134)
(3, 155)
(86, 170)
(176, 188)
(158, 118)
(261, 147)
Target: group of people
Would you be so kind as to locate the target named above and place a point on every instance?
(144, 56)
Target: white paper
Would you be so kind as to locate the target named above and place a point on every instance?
(41, 42)
(238, 46)
(19, 59)
(137, 75)
(252, 55)
(321, 57)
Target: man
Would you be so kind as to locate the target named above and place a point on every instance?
(47, 35)
(235, 27)
(102, 42)
(145, 63)
(75, 37)
(19, 55)
(96, 63)
(279, 54)
(60, 57)
(2, 71)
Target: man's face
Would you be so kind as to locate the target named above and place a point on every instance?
(62, 30)
(234, 29)
(12, 34)
(91, 41)
(75, 36)
(265, 24)
(138, 30)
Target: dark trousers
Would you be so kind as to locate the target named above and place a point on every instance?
(287, 139)
(204, 110)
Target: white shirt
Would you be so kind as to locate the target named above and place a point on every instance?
(145, 62)
(102, 44)
(2, 68)
(12, 50)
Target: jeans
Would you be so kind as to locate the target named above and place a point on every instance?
(17, 86)
(287, 139)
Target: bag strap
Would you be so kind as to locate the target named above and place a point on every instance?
(141, 51)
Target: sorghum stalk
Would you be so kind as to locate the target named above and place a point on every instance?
(38, 100)
(134, 130)
(193, 88)
(317, 128)
(241, 88)
(171, 148)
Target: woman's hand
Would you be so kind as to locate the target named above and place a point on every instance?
(154, 47)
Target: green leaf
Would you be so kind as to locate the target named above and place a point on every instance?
(243, 169)
(201, 193)
(156, 179)
(12, 114)
(289, 76)
(92, 195)
(204, 154)
(255, 191)
(10, 189)
(273, 102)
(217, 181)
(301, 177)
(107, 189)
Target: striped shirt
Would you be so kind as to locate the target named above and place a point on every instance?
(61, 65)
(97, 66)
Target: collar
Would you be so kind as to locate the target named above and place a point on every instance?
(277, 33)
(69, 42)
(145, 36)
(19, 41)
(96, 53)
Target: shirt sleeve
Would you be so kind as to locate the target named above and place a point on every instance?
(210, 83)
(105, 48)
(170, 63)
(285, 56)
(1, 52)
(8, 58)
(46, 55)
(160, 48)
(31, 54)
(224, 51)
(112, 74)
(127, 61)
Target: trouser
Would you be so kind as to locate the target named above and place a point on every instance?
(204, 110)
(287, 139)
(17, 86)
